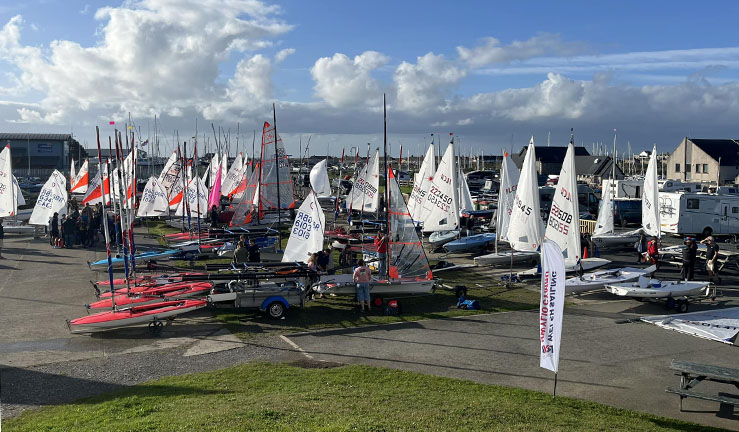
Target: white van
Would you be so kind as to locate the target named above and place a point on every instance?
(677, 185)
(698, 213)
(628, 188)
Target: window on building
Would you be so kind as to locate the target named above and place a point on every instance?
(693, 203)
(697, 168)
(677, 167)
(735, 209)
(687, 168)
(705, 168)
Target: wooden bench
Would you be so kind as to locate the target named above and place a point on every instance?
(692, 374)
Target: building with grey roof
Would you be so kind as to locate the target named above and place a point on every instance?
(705, 160)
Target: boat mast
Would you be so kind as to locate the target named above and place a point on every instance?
(387, 186)
(105, 219)
(277, 166)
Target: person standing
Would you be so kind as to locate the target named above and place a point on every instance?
(2, 236)
(641, 247)
(214, 217)
(54, 231)
(711, 257)
(688, 259)
(381, 244)
(362, 276)
(241, 254)
(653, 252)
(253, 249)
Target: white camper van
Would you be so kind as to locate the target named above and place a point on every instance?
(677, 185)
(627, 188)
(699, 213)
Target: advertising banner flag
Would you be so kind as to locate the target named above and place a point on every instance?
(551, 305)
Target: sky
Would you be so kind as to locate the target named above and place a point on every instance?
(492, 73)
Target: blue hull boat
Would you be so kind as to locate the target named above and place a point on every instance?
(470, 243)
(118, 261)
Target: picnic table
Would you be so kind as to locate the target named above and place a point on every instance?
(692, 374)
(673, 255)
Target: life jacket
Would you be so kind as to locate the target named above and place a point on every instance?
(652, 248)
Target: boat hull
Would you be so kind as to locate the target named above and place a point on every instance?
(571, 266)
(153, 295)
(135, 315)
(470, 243)
(599, 279)
(504, 258)
(440, 238)
(343, 285)
(664, 290)
(627, 239)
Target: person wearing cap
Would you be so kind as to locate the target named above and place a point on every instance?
(711, 257)
(688, 259)
(381, 244)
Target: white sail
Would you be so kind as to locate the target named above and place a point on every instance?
(604, 224)
(524, 229)
(365, 191)
(319, 180)
(422, 183)
(509, 175)
(441, 206)
(71, 174)
(171, 172)
(8, 203)
(306, 236)
(213, 169)
(563, 225)
(154, 200)
(650, 198)
(233, 178)
(19, 195)
(196, 191)
(465, 197)
(52, 199)
(81, 179)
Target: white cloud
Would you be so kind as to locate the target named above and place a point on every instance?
(491, 51)
(283, 54)
(154, 56)
(345, 82)
(465, 122)
(423, 86)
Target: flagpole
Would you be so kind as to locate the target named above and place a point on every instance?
(554, 392)
(112, 200)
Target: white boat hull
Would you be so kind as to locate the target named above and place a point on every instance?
(599, 279)
(343, 284)
(439, 238)
(616, 240)
(571, 266)
(504, 258)
(663, 290)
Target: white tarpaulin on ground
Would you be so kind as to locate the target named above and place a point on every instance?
(154, 200)
(319, 180)
(720, 325)
(52, 199)
(306, 236)
(551, 305)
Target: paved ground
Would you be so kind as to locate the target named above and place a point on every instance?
(618, 364)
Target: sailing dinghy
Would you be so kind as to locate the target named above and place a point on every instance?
(146, 314)
(155, 294)
(517, 221)
(653, 288)
(599, 279)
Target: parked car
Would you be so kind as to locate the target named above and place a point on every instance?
(626, 211)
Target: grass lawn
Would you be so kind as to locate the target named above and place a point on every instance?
(281, 397)
(341, 311)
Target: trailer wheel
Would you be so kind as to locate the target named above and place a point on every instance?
(670, 303)
(275, 310)
(681, 306)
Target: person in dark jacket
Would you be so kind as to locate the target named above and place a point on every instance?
(2, 236)
(688, 259)
(253, 249)
(711, 257)
(54, 231)
(214, 217)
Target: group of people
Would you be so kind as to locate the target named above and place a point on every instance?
(246, 252)
(689, 258)
(648, 252)
(77, 227)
